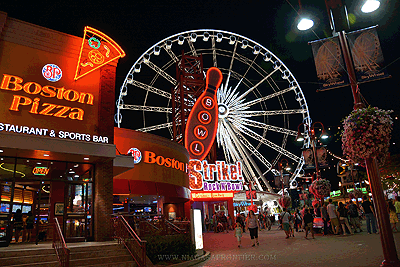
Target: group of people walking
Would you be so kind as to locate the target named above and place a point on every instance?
(344, 219)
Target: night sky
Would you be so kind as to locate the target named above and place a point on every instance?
(137, 25)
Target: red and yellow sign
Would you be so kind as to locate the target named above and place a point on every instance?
(40, 171)
(211, 195)
(202, 124)
(16, 84)
(97, 50)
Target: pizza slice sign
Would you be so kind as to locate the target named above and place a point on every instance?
(97, 49)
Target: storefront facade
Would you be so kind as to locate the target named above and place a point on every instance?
(158, 183)
(56, 133)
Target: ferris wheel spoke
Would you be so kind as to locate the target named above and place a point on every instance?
(232, 59)
(172, 55)
(266, 142)
(150, 88)
(214, 51)
(192, 48)
(145, 108)
(155, 127)
(268, 112)
(159, 71)
(262, 125)
(261, 99)
(248, 149)
(255, 86)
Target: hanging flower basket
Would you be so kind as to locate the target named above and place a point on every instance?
(366, 134)
(320, 188)
(357, 193)
(285, 201)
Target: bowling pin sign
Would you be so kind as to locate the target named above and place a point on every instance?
(201, 127)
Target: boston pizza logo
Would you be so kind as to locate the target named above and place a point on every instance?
(52, 72)
(136, 154)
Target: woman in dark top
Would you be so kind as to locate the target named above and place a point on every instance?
(29, 225)
(308, 222)
(18, 224)
(343, 218)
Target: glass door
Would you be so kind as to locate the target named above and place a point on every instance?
(76, 219)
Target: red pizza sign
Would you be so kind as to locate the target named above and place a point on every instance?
(97, 50)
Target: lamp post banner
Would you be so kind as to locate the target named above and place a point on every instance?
(367, 55)
(329, 63)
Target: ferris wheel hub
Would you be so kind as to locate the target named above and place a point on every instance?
(223, 111)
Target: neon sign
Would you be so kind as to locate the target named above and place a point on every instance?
(136, 154)
(215, 177)
(97, 49)
(152, 158)
(201, 126)
(40, 171)
(14, 84)
(213, 195)
(52, 72)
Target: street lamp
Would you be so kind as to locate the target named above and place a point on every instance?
(339, 22)
(370, 6)
(280, 168)
(313, 140)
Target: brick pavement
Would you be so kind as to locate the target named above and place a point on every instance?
(355, 250)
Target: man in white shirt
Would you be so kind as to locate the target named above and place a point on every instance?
(333, 217)
(284, 218)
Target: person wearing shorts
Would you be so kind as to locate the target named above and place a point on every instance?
(308, 222)
(253, 224)
(332, 213)
(284, 217)
(238, 233)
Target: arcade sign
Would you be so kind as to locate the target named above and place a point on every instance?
(215, 177)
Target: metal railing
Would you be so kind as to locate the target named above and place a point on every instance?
(59, 245)
(125, 235)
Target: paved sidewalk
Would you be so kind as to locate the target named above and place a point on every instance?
(355, 250)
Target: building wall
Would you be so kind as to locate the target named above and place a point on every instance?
(24, 50)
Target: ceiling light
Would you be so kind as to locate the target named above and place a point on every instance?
(1, 151)
(85, 158)
(46, 155)
(370, 6)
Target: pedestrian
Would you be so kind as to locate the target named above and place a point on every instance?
(252, 224)
(215, 221)
(29, 225)
(308, 223)
(325, 218)
(224, 222)
(18, 224)
(343, 218)
(230, 225)
(284, 220)
(393, 216)
(397, 206)
(354, 217)
(238, 233)
(291, 224)
(207, 223)
(369, 215)
(332, 213)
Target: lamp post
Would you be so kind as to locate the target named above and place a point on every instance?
(280, 168)
(338, 19)
(313, 139)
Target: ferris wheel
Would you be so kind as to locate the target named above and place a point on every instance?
(260, 103)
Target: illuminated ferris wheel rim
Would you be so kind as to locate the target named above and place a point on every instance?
(192, 36)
